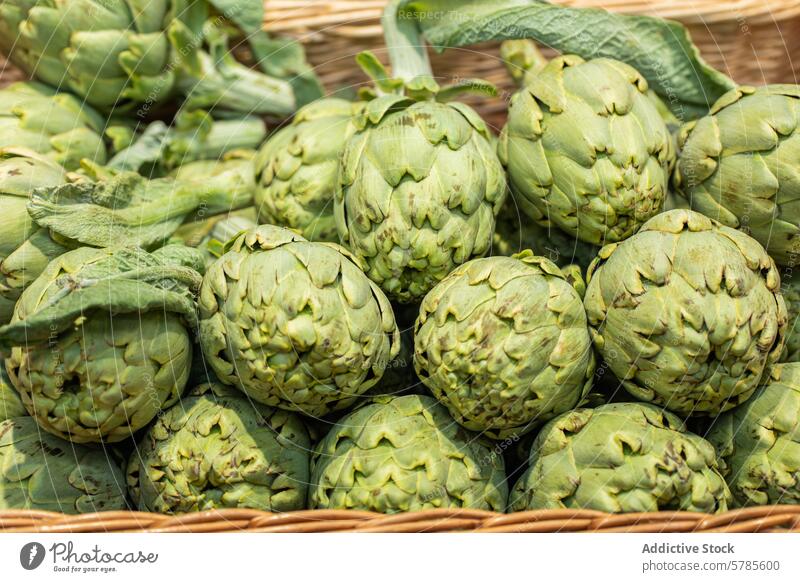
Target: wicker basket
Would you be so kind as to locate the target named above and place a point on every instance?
(778, 518)
(754, 41)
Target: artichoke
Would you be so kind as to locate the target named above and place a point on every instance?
(218, 449)
(297, 167)
(25, 249)
(759, 442)
(41, 472)
(56, 125)
(405, 454)
(504, 344)
(119, 53)
(586, 149)
(618, 458)
(10, 402)
(738, 165)
(419, 188)
(294, 324)
(100, 341)
(687, 313)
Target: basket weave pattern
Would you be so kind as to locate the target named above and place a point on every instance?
(754, 41)
(778, 518)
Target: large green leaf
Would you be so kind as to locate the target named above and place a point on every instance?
(661, 50)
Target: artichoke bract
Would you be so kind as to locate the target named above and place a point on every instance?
(10, 402)
(100, 341)
(418, 190)
(586, 149)
(25, 249)
(687, 313)
(297, 169)
(759, 442)
(405, 454)
(218, 449)
(118, 52)
(617, 458)
(738, 165)
(56, 125)
(294, 324)
(39, 471)
(504, 344)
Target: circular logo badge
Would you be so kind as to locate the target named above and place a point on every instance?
(31, 555)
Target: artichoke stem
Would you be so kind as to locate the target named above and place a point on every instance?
(407, 52)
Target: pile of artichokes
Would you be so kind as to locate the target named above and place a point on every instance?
(383, 305)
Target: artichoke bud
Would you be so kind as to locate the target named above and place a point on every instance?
(587, 150)
(759, 442)
(100, 342)
(41, 472)
(294, 324)
(405, 454)
(296, 169)
(624, 457)
(419, 185)
(504, 344)
(736, 166)
(687, 313)
(219, 449)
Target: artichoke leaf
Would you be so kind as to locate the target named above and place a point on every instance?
(661, 50)
(133, 209)
(119, 280)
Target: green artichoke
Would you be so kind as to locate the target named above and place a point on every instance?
(619, 458)
(687, 313)
(790, 289)
(504, 344)
(41, 472)
(294, 324)
(515, 232)
(759, 442)
(56, 125)
(218, 449)
(100, 341)
(738, 165)
(586, 149)
(10, 402)
(120, 52)
(419, 188)
(297, 167)
(25, 249)
(405, 454)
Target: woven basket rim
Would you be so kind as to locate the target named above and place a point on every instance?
(349, 18)
(771, 518)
